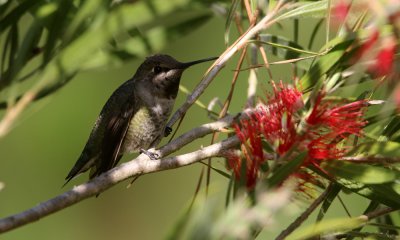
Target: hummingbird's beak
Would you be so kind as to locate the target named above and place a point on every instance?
(188, 64)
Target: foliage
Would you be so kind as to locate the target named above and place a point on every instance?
(67, 37)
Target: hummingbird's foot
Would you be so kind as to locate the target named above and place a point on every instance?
(167, 131)
(151, 155)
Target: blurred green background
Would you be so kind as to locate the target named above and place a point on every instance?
(47, 139)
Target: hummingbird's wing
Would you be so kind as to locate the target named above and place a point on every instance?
(114, 136)
(102, 150)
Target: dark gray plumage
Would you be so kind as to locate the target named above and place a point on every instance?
(134, 117)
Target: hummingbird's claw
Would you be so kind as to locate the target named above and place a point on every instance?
(167, 131)
(151, 155)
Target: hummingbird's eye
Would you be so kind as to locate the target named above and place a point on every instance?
(157, 69)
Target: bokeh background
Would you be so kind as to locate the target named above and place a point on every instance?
(48, 137)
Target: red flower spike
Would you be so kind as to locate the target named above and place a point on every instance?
(276, 123)
(324, 148)
(234, 163)
(343, 119)
(330, 125)
(367, 46)
(383, 64)
(288, 98)
(341, 10)
(250, 137)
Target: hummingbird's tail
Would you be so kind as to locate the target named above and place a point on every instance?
(81, 165)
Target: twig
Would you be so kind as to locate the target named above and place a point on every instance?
(266, 63)
(14, 111)
(294, 225)
(377, 213)
(371, 159)
(253, 79)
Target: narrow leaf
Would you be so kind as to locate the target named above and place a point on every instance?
(335, 190)
(285, 170)
(327, 226)
(362, 173)
(323, 65)
(229, 19)
(306, 9)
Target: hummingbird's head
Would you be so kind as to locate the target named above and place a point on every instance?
(162, 73)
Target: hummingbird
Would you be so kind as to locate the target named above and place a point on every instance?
(134, 117)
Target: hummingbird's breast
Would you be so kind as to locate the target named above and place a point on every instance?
(147, 126)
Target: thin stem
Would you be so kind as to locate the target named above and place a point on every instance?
(294, 225)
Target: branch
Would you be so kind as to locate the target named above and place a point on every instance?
(372, 159)
(139, 166)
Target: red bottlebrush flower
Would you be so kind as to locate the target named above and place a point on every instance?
(341, 10)
(367, 46)
(275, 123)
(288, 98)
(234, 163)
(330, 125)
(252, 149)
(346, 119)
(325, 147)
(384, 60)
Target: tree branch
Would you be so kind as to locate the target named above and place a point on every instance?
(139, 166)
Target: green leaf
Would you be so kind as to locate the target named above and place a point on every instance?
(327, 226)
(56, 27)
(10, 48)
(286, 49)
(306, 9)
(392, 127)
(229, 19)
(362, 173)
(150, 37)
(286, 169)
(82, 49)
(4, 4)
(314, 33)
(220, 172)
(14, 16)
(387, 194)
(24, 52)
(333, 193)
(381, 115)
(85, 11)
(374, 148)
(323, 65)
